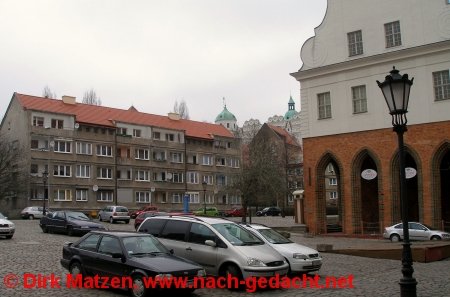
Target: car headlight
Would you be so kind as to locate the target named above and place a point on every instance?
(201, 273)
(299, 256)
(255, 262)
(445, 235)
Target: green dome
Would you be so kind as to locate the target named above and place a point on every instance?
(291, 109)
(225, 115)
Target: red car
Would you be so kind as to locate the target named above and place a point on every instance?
(235, 212)
(141, 217)
(134, 214)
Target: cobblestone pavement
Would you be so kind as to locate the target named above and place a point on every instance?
(31, 251)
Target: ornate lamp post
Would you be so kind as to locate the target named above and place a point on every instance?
(204, 184)
(396, 89)
(44, 179)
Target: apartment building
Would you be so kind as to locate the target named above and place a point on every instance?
(96, 156)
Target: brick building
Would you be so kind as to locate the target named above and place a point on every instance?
(345, 120)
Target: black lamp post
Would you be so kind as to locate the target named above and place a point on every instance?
(204, 184)
(396, 89)
(44, 179)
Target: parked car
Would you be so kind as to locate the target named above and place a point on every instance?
(269, 211)
(68, 222)
(146, 214)
(32, 212)
(210, 212)
(235, 212)
(7, 228)
(126, 254)
(114, 214)
(417, 231)
(299, 257)
(222, 247)
(134, 214)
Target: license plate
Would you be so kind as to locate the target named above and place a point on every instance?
(316, 262)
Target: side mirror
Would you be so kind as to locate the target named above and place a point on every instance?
(171, 251)
(210, 243)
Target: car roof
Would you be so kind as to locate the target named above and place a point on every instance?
(207, 220)
(255, 226)
(119, 233)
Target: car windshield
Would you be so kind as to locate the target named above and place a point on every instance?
(143, 246)
(2, 216)
(273, 236)
(237, 235)
(76, 216)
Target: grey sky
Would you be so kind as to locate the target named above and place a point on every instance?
(151, 53)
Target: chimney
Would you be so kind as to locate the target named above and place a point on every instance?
(69, 99)
(174, 116)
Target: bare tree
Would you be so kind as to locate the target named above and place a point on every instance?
(182, 109)
(90, 97)
(47, 93)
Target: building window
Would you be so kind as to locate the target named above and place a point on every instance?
(159, 156)
(136, 133)
(63, 146)
(62, 170)
(333, 195)
(81, 195)
(441, 85)
(333, 181)
(221, 161)
(207, 160)
(233, 162)
(142, 197)
(124, 174)
(194, 198)
(105, 196)
(235, 200)
(84, 148)
(157, 135)
(121, 131)
(355, 44)
(34, 169)
(170, 137)
(142, 154)
(62, 195)
(38, 121)
(324, 105)
(83, 171)
(176, 157)
(359, 99)
(177, 198)
(393, 35)
(209, 179)
(177, 177)
(142, 175)
(57, 124)
(209, 198)
(104, 150)
(221, 180)
(104, 173)
(192, 177)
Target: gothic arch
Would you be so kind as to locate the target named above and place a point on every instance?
(436, 182)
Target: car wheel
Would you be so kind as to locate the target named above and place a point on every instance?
(70, 230)
(138, 287)
(44, 229)
(234, 271)
(127, 221)
(76, 269)
(395, 238)
(100, 218)
(9, 236)
(435, 237)
(31, 217)
(111, 220)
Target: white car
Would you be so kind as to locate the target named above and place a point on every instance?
(32, 212)
(417, 231)
(7, 228)
(300, 258)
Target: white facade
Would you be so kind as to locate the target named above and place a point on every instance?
(328, 65)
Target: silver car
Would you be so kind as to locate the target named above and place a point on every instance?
(299, 257)
(32, 212)
(222, 247)
(417, 231)
(114, 214)
(7, 228)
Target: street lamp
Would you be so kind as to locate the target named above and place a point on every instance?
(396, 89)
(44, 179)
(204, 184)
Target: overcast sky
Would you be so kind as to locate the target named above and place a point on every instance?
(151, 53)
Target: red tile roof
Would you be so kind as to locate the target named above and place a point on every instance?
(104, 116)
(283, 133)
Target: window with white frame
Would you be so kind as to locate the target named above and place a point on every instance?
(221, 161)
(104, 150)
(57, 124)
(359, 99)
(121, 131)
(221, 180)
(137, 133)
(194, 197)
(233, 162)
(355, 43)
(63, 146)
(170, 137)
(333, 181)
(142, 154)
(105, 196)
(62, 195)
(176, 157)
(441, 84)
(104, 173)
(159, 155)
(142, 197)
(142, 175)
(83, 171)
(235, 199)
(207, 160)
(177, 197)
(209, 198)
(62, 170)
(81, 195)
(38, 121)
(324, 105)
(157, 135)
(124, 174)
(333, 195)
(84, 148)
(177, 177)
(209, 179)
(192, 177)
(392, 33)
